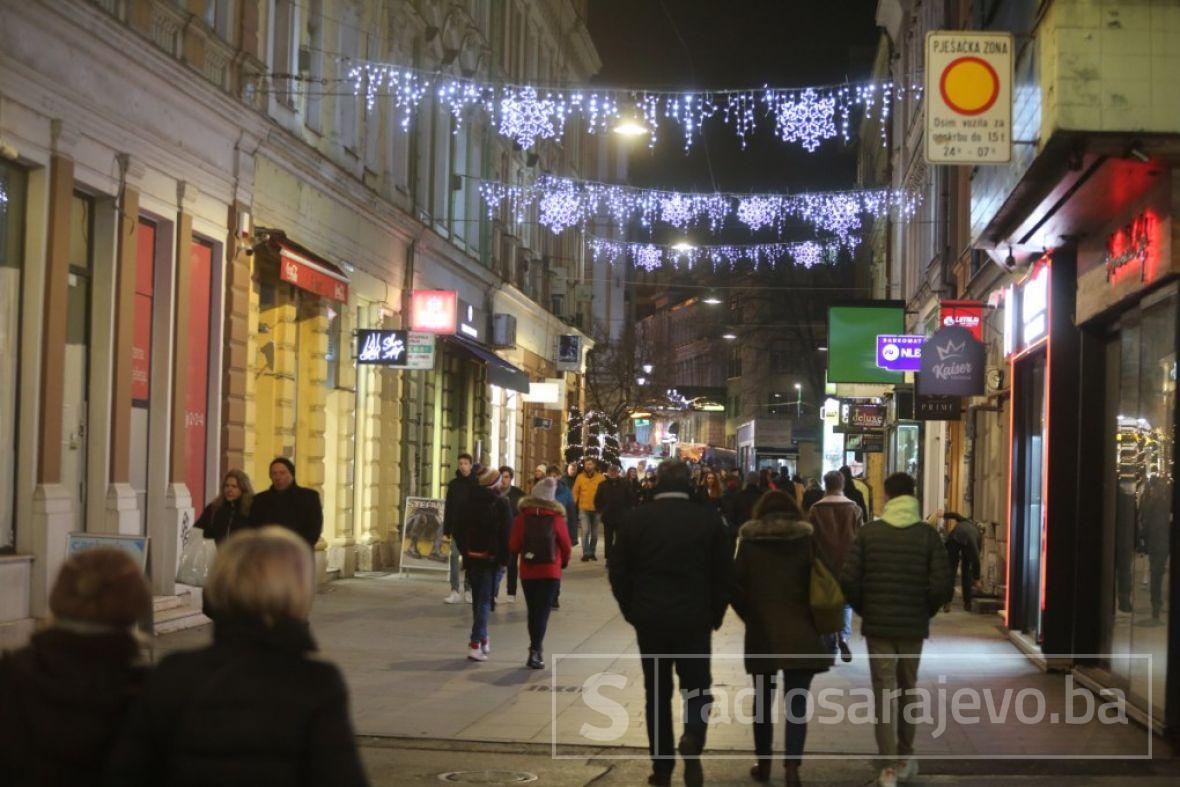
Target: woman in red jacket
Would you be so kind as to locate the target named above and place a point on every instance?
(541, 538)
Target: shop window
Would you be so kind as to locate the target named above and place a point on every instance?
(12, 213)
(196, 394)
(76, 380)
(146, 245)
(1137, 526)
(332, 356)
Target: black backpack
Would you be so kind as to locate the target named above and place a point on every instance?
(483, 535)
(539, 544)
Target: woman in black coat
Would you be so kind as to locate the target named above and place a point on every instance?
(64, 696)
(255, 707)
(772, 596)
(286, 503)
(230, 510)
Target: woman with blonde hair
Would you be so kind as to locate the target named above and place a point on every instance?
(255, 707)
(230, 510)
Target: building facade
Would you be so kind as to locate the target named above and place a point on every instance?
(197, 212)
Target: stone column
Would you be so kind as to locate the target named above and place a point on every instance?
(122, 509)
(236, 360)
(53, 515)
(310, 421)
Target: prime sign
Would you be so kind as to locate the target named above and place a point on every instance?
(968, 97)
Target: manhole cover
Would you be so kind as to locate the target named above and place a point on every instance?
(488, 777)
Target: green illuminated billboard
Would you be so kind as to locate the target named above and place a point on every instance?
(852, 341)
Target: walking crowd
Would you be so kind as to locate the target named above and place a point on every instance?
(794, 561)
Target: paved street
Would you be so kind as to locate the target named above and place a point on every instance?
(414, 695)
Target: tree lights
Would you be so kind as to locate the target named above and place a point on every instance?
(807, 116)
(562, 203)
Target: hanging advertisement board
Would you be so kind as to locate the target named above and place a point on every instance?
(953, 364)
(395, 349)
(965, 314)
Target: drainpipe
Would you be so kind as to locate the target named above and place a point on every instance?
(410, 458)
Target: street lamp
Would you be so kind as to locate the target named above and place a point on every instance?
(647, 368)
(683, 247)
(711, 299)
(630, 127)
(798, 400)
(729, 336)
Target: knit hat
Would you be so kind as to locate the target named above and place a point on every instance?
(285, 462)
(542, 469)
(488, 476)
(101, 586)
(545, 489)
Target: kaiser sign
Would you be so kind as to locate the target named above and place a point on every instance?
(899, 353)
(953, 364)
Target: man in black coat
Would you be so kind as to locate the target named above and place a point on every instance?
(512, 494)
(613, 499)
(672, 574)
(286, 503)
(455, 521)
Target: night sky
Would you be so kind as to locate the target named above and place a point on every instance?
(740, 43)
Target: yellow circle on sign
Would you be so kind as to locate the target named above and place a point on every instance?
(969, 85)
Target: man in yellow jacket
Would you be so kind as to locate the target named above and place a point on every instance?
(585, 487)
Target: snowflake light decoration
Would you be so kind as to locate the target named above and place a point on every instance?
(806, 116)
(650, 256)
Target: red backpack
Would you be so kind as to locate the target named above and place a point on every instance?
(540, 540)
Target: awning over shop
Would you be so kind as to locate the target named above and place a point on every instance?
(500, 372)
(305, 269)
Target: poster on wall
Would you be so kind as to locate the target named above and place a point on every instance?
(569, 353)
(953, 364)
(423, 546)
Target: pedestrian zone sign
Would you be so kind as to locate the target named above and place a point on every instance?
(968, 97)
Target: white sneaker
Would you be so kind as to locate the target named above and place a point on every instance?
(475, 653)
(454, 598)
(467, 597)
(910, 771)
(486, 646)
(510, 598)
(888, 778)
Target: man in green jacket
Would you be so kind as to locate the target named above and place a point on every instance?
(896, 577)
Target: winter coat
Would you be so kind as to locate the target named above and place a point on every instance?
(455, 510)
(513, 496)
(853, 494)
(63, 699)
(836, 520)
(566, 499)
(253, 708)
(896, 576)
(296, 508)
(672, 567)
(613, 499)
(218, 523)
(585, 488)
(772, 594)
(554, 512)
(811, 496)
(485, 507)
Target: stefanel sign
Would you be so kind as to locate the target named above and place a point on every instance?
(434, 311)
(953, 364)
(965, 314)
(899, 353)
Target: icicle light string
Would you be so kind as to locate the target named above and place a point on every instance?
(805, 116)
(562, 203)
(651, 256)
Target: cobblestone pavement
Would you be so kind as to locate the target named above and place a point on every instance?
(422, 709)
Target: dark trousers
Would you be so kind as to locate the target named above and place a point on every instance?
(539, 595)
(956, 554)
(694, 677)
(609, 528)
(796, 689)
(513, 568)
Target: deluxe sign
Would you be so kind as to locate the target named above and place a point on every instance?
(899, 353)
(953, 364)
(968, 97)
(965, 314)
(396, 349)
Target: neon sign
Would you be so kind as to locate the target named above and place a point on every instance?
(434, 311)
(1131, 244)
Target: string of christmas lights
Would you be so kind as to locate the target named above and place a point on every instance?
(562, 203)
(806, 116)
(651, 256)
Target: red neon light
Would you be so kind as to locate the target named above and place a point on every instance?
(1011, 463)
(434, 311)
(1134, 248)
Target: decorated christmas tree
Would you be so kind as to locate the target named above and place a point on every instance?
(573, 435)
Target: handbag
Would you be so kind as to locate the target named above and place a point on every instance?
(196, 559)
(826, 597)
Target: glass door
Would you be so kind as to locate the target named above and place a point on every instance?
(1028, 491)
(75, 398)
(1137, 511)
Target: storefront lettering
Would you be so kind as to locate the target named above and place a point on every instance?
(1128, 245)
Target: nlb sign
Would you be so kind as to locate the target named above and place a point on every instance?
(899, 353)
(434, 311)
(968, 97)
